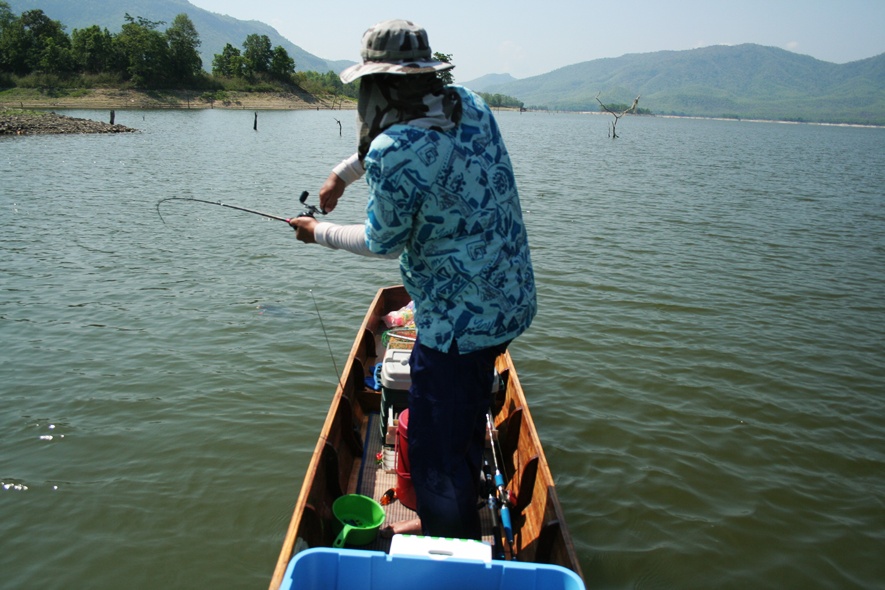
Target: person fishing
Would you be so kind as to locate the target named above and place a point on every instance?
(443, 199)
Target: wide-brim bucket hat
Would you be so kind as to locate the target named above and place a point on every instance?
(395, 47)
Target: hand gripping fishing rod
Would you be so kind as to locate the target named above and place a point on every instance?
(309, 210)
(503, 496)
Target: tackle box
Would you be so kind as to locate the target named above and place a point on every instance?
(355, 569)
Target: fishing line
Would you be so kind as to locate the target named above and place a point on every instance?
(326, 336)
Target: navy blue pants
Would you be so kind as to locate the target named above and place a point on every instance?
(448, 401)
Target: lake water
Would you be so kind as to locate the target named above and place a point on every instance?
(706, 372)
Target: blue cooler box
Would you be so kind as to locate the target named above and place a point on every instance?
(324, 568)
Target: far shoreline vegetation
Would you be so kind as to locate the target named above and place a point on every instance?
(40, 64)
(150, 65)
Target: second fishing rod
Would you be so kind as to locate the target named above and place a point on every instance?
(503, 495)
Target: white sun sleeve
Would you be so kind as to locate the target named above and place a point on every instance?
(351, 238)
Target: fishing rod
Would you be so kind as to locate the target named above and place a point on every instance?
(492, 503)
(309, 210)
(503, 495)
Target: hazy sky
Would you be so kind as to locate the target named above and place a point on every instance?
(525, 38)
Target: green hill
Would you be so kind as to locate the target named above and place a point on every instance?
(746, 81)
(215, 29)
(743, 81)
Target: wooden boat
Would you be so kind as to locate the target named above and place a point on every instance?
(344, 461)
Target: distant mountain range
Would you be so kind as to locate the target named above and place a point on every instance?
(742, 81)
(483, 83)
(215, 29)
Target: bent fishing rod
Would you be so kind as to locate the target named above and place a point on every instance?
(309, 210)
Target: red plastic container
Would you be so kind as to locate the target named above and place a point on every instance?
(405, 492)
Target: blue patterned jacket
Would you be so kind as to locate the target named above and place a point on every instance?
(447, 201)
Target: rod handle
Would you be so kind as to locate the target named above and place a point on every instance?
(507, 523)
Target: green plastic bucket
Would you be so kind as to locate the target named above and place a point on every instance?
(360, 516)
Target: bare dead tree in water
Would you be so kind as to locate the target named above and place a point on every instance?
(632, 109)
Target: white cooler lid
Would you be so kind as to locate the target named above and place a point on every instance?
(439, 548)
(395, 369)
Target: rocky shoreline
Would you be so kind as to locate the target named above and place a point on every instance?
(14, 122)
(110, 98)
(17, 119)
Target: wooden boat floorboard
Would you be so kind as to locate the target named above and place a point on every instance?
(373, 481)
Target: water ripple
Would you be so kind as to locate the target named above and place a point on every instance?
(705, 370)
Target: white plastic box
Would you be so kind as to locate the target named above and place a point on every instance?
(395, 370)
(395, 382)
(440, 548)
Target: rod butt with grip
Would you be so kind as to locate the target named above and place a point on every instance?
(507, 523)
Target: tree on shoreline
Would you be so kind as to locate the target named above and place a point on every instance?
(92, 49)
(144, 51)
(36, 52)
(257, 59)
(446, 76)
(228, 63)
(497, 101)
(33, 43)
(257, 53)
(184, 41)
